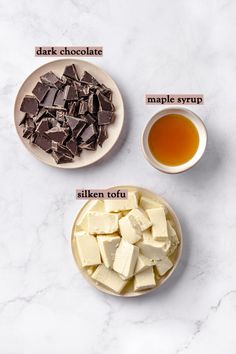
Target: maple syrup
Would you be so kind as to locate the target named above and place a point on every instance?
(173, 139)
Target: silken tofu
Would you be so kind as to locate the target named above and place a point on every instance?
(108, 246)
(130, 229)
(159, 224)
(122, 204)
(102, 223)
(109, 278)
(141, 218)
(144, 280)
(147, 203)
(153, 250)
(143, 263)
(164, 265)
(82, 223)
(125, 259)
(88, 250)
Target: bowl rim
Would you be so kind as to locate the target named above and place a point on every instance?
(168, 169)
(164, 278)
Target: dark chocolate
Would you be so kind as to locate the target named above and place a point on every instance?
(29, 105)
(70, 71)
(93, 104)
(89, 133)
(43, 142)
(88, 79)
(50, 97)
(52, 80)
(43, 126)
(102, 134)
(70, 93)
(59, 99)
(57, 134)
(104, 117)
(104, 103)
(40, 91)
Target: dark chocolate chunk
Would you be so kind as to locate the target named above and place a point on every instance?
(52, 80)
(59, 99)
(89, 118)
(80, 128)
(72, 122)
(72, 146)
(83, 107)
(57, 134)
(88, 146)
(102, 134)
(105, 91)
(43, 126)
(93, 104)
(82, 89)
(43, 142)
(60, 116)
(70, 71)
(40, 91)
(104, 117)
(62, 149)
(73, 108)
(70, 93)
(88, 79)
(104, 103)
(29, 105)
(89, 133)
(42, 113)
(50, 97)
(60, 158)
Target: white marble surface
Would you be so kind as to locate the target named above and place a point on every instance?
(149, 46)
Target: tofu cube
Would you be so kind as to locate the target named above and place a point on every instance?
(108, 246)
(102, 223)
(122, 204)
(147, 203)
(164, 265)
(153, 250)
(109, 278)
(159, 224)
(82, 222)
(145, 280)
(88, 250)
(141, 218)
(125, 259)
(130, 229)
(143, 263)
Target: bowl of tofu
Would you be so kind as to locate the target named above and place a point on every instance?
(127, 247)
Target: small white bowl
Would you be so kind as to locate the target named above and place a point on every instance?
(202, 132)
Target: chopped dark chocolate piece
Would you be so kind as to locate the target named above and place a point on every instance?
(70, 71)
(88, 146)
(62, 149)
(73, 108)
(29, 105)
(82, 89)
(102, 134)
(52, 80)
(43, 142)
(83, 107)
(59, 99)
(27, 132)
(43, 126)
(88, 79)
(70, 93)
(60, 158)
(50, 97)
(57, 134)
(43, 112)
(104, 117)
(40, 91)
(72, 146)
(89, 118)
(53, 122)
(104, 103)
(72, 122)
(60, 116)
(93, 104)
(89, 133)
(105, 91)
(80, 128)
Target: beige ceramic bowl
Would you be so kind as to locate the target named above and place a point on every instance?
(202, 132)
(128, 290)
(114, 130)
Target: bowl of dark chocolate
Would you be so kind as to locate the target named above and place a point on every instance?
(69, 113)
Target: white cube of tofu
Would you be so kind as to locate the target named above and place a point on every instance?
(102, 223)
(130, 229)
(173, 238)
(141, 218)
(108, 246)
(125, 259)
(145, 280)
(159, 225)
(153, 250)
(122, 204)
(88, 250)
(82, 222)
(147, 235)
(164, 265)
(109, 278)
(147, 203)
(143, 263)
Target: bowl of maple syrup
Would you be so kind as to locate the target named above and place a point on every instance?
(174, 140)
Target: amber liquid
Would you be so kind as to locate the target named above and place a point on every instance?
(173, 140)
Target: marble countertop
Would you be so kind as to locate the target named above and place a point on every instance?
(46, 306)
